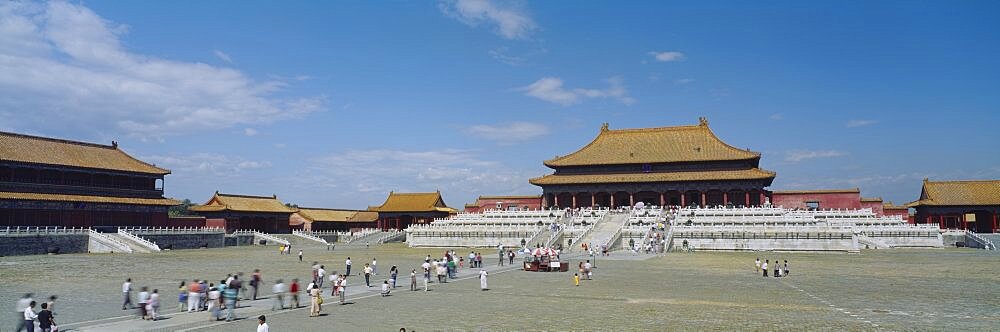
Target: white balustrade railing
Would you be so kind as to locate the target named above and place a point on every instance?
(29, 230)
(309, 237)
(110, 241)
(141, 241)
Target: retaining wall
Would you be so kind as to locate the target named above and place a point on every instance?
(18, 245)
(239, 240)
(834, 244)
(186, 240)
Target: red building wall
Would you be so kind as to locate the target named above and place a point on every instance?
(827, 199)
(875, 205)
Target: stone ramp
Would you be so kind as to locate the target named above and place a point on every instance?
(136, 246)
(604, 230)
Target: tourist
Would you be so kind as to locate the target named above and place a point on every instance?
(510, 255)
(763, 267)
(182, 296)
(786, 268)
(374, 266)
(316, 300)
(589, 270)
(366, 244)
(153, 306)
(427, 269)
(427, 277)
(342, 289)
(255, 281)
(368, 274)
(413, 279)
(756, 265)
(461, 261)
(300, 255)
(28, 318)
(203, 295)
(230, 295)
(262, 324)
(214, 296)
(279, 295)
(576, 279)
(393, 272)
(441, 272)
(143, 299)
(385, 288)
(500, 253)
(451, 269)
(46, 320)
(482, 280)
(479, 260)
(777, 269)
(348, 264)
(52, 304)
(127, 292)
(238, 284)
(293, 290)
(194, 291)
(320, 276)
(472, 260)
(334, 277)
(19, 307)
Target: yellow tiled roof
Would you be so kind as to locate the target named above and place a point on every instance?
(871, 199)
(891, 206)
(412, 202)
(748, 174)
(950, 193)
(818, 191)
(364, 216)
(242, 203)
(653, 145)
(88, 199)
(51, 151)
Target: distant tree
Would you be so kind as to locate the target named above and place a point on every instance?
(294, 206)
(180, 210)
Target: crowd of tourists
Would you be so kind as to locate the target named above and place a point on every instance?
(776, 267)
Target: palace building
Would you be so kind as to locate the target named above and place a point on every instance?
(54, 182)
(235, 212)
(971, 204)
(515, 202)
(684, 165)
(400, 210)
(318, 220)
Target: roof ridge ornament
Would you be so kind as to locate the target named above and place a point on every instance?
(703, 121)
(604, 127)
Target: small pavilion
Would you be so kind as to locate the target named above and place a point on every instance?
(261, 213)
(972, 205)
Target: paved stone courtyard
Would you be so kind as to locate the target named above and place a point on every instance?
(932, 289)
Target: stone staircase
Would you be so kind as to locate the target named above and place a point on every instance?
(871, 242)
(105, 243)
(309, 237)
(135, 242)
(605, 230)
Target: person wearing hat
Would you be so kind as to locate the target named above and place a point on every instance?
(262, 324)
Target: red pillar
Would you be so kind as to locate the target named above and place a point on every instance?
(663, 200)
(593, 199)
(704, 200)
(612, 200)
(574, 201)
(684, 199)
(631, 199)
(555, 198)
(762, 198)
(725, 197)
(747, 199)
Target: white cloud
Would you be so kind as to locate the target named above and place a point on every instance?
(860, 123)
(667, 56)
(225, 57)
(551, 89)
(371, 174)
(250, 131)
(797, 156)
(683, 81)
(510, 20)
(507, 134)
(62, 60)
(502, 54)
(203, 164)
(777, 117)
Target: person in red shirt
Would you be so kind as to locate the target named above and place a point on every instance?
(294, 291)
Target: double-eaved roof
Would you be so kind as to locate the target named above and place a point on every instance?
(52, 151)
(86, 199)
(243, 203)
(413, 202)
(958, 193)
(746, 174)
(652, 146)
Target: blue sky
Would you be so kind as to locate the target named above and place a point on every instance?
(333, 104)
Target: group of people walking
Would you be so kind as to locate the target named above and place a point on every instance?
(26, 315)
(778, 270)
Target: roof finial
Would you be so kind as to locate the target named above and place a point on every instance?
(703, 121)
(604, 127)
(114, 144)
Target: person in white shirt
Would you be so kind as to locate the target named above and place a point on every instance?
(279, 295)
(320, 275)
(374, 266)
(153, 305)
(368, 274)
(348, 263)
(22, 304)
(127, 291)
(262, 324)
(588, 270)
(756, 265)
(385, 288)
(342, 289)
(29, 317)
(143, 299)
(764, 267)
(482, 280)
